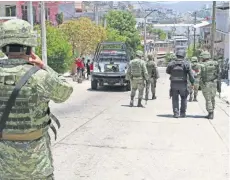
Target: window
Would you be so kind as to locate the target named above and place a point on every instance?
(24, 12)
(10, 10)
(47, 13)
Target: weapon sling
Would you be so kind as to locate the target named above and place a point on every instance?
(13, 96)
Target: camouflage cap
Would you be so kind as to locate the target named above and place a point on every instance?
(205, 55)
(194, 59)
(139, 53)
(17, 31)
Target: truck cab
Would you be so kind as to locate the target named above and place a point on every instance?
(110, 64)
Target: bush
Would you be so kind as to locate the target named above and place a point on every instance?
(59, 51)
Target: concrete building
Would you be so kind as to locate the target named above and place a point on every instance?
(19, 9)
(222, 30)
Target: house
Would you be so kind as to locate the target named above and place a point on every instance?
(19, 9)
(222, 30)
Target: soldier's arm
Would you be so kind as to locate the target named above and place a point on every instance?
(51, 86)
(144, 70)
(128, 73)
(190, 74)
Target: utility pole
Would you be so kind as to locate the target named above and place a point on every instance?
(213, 28)
(188, 36)
(194, 36)
(43, 25)
(145, 18)
(30, 13)
(96, 12)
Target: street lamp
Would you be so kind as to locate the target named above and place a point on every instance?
(145, 30)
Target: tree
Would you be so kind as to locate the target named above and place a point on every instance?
(59, 51)
(114, 35)
(83, 35)
(124, 23)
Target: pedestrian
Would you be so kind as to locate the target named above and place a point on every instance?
(88, 68)
(153, 75)
(137, 74)
(80, 66)
(25, 147)
(196, 67)
(210, 76)
(179, 70)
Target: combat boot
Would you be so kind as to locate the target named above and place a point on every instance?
(195, 98)
(154, 96)
(210, 115)
(183, 115)
(190, 98)
(131, 102)
(176, 115)
(139, 103)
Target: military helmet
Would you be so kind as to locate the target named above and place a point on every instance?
(150, 57)
(181, 53)
(17, 31)
(194, 59)
(139, 53)
(205, 55)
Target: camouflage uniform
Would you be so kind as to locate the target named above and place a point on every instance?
(196, 69)
(27, 159)
(209, 75)
(153, 75)
(137, 73)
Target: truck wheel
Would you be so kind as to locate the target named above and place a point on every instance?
(94, 85)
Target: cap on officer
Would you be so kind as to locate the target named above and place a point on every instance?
(139, 53)
(194, 59)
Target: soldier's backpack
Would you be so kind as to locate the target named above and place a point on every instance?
(210, 72)
(136, 70)
(178, 72)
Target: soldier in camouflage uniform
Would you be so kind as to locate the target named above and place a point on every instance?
(193, 91)
(210, 74)
(25, 147)
(153, 75)
(137, 74)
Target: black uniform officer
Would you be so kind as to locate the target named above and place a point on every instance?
(179, 69)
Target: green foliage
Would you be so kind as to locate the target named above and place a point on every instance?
(114, 35)
(168, 57)
(59, 51)
(159, 32)
(124, 23)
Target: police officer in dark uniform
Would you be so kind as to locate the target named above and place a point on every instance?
(178, 70)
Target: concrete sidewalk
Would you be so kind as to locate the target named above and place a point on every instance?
(104, 139)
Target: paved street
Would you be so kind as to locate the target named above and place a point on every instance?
(101, 138)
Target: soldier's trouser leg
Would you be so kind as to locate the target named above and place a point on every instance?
(133, 91)
(183, 95)
(190, 94)
(175, 101)
(148, 85)
(196, 89)
(141, 87)
(153, 89)
(51, 177)
(209, 92)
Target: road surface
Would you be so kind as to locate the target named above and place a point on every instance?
(101, 138)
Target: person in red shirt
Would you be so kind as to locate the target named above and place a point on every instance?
(79, 65)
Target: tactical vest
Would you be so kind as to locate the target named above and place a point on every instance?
(151, 68)
(178, 72)
(29, 113)
(210, 72)
(136, 70)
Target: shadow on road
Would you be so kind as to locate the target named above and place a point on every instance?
(109, 89)
(187, 116)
